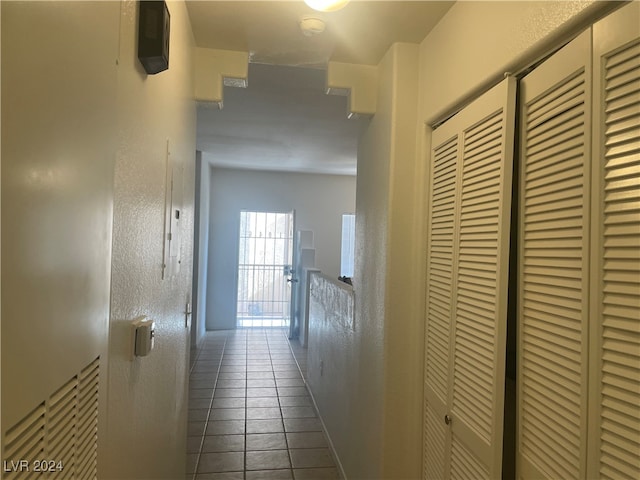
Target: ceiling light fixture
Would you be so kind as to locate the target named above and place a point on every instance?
(326, 5)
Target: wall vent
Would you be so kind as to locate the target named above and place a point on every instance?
(59, 438)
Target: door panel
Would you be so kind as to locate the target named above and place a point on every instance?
(615, 363)
(467, 251)
(553, 318)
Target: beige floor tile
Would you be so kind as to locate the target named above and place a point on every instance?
(232, 375)
(311, 458)
(227, 414)
(292, 391)
(290, 382)
(267, 460)
(262, 402)
(225, 427)
(289, 367)
(231, 383)
(261, 383)
(229, 392)
(306, 440)
(259, 368)
(259, 375)
(221, 462)
(263, 413)
(233, 362)
(261, 392)
(223, 443)
(233, 369)
(316, 474)
(266, 441)
(270, 475)
(220, 476)
(298, 412)
(302, 425)
(264, 426)
(287, 374)
(302, 401)
(229, 402)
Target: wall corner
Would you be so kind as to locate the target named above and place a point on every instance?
(215, 69)
(357, 82)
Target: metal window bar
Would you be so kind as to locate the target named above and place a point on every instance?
(265, 250)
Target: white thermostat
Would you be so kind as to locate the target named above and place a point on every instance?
(144, 331)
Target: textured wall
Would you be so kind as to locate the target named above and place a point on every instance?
(147, 395)
(201, 231)
(330, 358)
(58, 112)
(404, 329)
(319, 202)
(477, 42)
(358, 356)
(370, 393)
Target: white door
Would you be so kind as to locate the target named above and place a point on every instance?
(468, 260)
(554, 265)
(614, 379)
(265, 256)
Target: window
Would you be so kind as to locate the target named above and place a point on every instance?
(348, 245)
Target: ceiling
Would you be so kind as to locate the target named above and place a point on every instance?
(283, 120)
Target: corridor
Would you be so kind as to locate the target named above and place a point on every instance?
(250, 415)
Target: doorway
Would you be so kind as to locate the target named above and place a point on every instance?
(264, 266)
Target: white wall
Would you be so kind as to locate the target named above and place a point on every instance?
(84, 135)
(201, 249)
(318, 200)
(475, 43)
(370, 420)
(146, 435)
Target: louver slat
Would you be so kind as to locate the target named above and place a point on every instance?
(553, 266)
(443, 179)
(24, 442)
(434, 444)
(620, 274)
(464, 464)
(468, 231)
(61, 428)
(87, 446)
(62, 431)
(441, 267)
(473, 382)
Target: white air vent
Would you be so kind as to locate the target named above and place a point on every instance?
(24, 444)
(58, 439)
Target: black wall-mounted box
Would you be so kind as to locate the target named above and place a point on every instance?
(153, 36)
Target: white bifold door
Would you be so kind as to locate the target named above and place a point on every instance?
(470, 184)
(579, 286)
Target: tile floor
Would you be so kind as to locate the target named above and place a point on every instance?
(250, 415)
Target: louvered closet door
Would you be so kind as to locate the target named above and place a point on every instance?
(614, 449)
(554, 265)
(468, 244)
